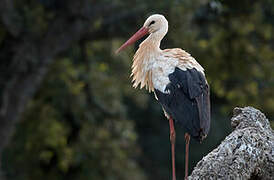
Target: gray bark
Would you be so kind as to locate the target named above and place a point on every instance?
(247, 153)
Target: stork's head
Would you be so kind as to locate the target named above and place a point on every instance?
(155, 24)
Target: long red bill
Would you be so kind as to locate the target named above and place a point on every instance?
(138, 35)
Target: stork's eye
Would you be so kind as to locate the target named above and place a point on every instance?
(152, 22)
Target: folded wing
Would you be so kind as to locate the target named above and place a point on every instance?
(186, 100)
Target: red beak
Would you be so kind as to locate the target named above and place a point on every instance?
(138, 35)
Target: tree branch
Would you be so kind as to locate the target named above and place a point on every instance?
(247, 153)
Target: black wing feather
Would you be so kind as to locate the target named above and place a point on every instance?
(188, 101)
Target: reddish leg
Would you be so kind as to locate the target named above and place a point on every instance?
(187, 139)
(172, 140)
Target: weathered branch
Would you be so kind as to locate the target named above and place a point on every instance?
(247, 153)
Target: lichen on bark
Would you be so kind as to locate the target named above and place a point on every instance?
(247, 153)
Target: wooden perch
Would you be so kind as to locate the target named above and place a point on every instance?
(247, 153)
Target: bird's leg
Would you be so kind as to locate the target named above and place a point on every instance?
(172, 140)
(187, 139)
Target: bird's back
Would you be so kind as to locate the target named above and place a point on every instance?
(183, 92)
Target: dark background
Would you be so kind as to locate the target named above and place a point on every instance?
(67, 108)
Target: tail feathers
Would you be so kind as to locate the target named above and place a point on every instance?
(203, 104)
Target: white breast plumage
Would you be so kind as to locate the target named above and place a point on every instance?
(151, 67)
(161, 69)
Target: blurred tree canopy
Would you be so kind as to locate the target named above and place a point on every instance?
(67, 108)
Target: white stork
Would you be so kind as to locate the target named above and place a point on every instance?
(177, 80)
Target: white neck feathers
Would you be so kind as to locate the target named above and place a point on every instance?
(148, 51)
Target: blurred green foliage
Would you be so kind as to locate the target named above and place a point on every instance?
(87, 122)
(68, 131)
